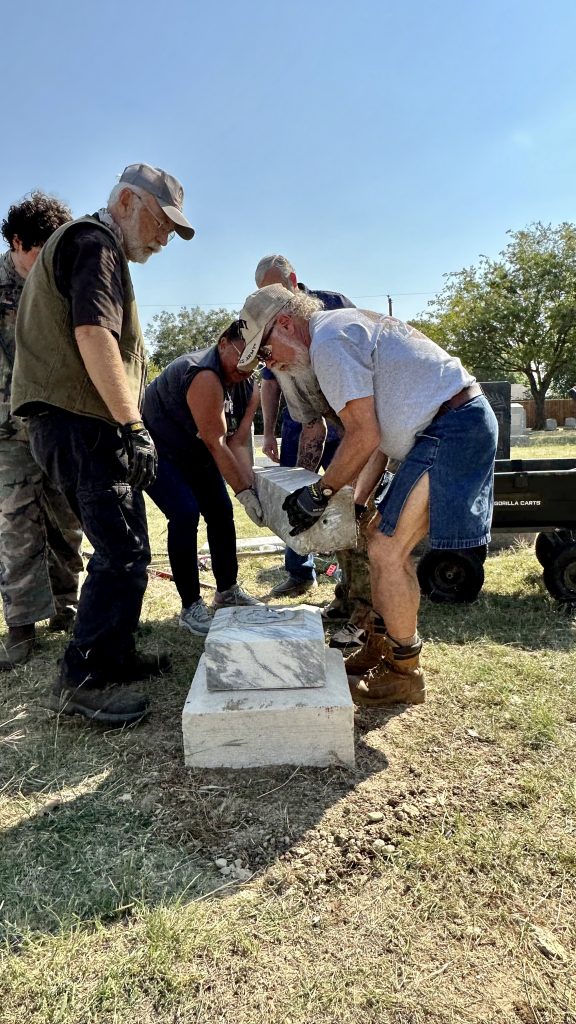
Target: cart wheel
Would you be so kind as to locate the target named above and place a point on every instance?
(560, 574)
(547, 544)
(452, 577)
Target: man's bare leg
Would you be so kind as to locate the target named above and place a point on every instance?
(395, 590)
(396, 677)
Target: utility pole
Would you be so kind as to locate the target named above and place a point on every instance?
(389, 305)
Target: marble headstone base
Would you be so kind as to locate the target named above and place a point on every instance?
(336, 528)
(255, 728)
(264, 648)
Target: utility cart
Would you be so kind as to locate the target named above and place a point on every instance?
(529, 495)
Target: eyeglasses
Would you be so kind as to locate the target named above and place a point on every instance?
(239, 351)
(168, 231)
(265, 351)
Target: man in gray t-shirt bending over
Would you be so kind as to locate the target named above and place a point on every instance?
(399, 396)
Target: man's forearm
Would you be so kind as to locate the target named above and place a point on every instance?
(270, 398)
(352, 454)
(369, 476)
(311, 444)
(101, 357)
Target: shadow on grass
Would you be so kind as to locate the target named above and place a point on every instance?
(97, 823)
(530, 621)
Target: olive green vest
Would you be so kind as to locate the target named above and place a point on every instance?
(48, 366)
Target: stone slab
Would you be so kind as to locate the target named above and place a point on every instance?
(551, 424)
(265, 648)
(518, 419)
(336, 529)
(255, 728)
(498, 393)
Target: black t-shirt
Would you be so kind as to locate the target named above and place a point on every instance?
(87, 273)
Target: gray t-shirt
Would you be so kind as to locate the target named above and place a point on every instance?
(304, 396)
(357, 354)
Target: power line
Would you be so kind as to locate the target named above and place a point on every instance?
(179, 305)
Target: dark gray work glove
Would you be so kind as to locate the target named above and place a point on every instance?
(304, 508)
(142, 457)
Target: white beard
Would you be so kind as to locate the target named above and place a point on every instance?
(300, 362)
(135, 251)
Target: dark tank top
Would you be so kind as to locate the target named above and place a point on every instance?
(166, 412)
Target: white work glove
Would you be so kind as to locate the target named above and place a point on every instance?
(249, 499)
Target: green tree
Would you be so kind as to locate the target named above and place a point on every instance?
(514, 317)
(171, 334)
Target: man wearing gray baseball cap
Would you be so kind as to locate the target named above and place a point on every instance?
(399, 396)
(79, 376)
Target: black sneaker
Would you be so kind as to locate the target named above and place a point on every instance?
(139, 666)
(114, 705)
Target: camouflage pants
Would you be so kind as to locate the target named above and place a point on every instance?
(355, 591)
(40, 540)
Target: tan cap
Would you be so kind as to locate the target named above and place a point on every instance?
(166, 190)
(257, 311)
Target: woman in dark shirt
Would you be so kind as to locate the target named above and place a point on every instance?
(199, 411)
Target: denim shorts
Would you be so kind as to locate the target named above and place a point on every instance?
(457, 450)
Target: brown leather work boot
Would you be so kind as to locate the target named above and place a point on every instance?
(18, 646)
(62, 621)
(376, 646)
(396, 679)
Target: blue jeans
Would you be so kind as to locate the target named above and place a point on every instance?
(183, 492)
(301, 567)
(84, 459)
(457, 450)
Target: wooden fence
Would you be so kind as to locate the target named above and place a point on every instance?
(556, 408)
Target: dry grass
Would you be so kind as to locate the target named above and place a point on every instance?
(434, 883)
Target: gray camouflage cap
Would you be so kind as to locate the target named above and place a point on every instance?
(166, 190)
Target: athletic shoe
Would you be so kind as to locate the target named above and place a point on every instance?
(197, 618)
(348, 637)
(233, 598)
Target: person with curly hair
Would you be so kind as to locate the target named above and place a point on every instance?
(40, 536)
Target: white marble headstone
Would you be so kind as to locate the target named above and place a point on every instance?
(334, 531)
(517, 419)
(252, 728)
(263, 648)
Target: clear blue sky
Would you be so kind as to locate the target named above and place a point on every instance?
(378, 145)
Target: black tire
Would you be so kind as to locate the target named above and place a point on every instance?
(548, 544)
(560, 574)
(452, 577)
